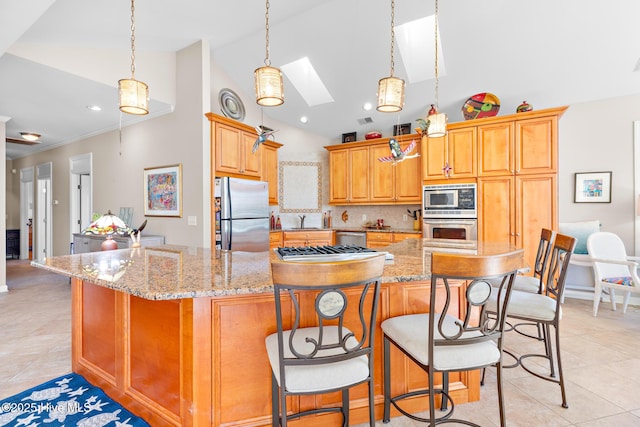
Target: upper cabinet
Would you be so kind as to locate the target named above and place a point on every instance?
(356, 176)
(231, 153)
(450, 156)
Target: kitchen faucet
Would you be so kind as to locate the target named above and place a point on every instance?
(302, 217)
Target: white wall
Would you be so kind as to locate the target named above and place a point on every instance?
(596, 137)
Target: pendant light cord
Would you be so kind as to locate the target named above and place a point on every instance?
(133, 40)
(435, 26)
(267, 62)
(393, 34)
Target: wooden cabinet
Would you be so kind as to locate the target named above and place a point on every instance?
(458, 150)
(348, 176)
(518, 147)
(515, 209)
(357, 177)
(380, 239)
(275, 239)
(83, 243)
(399, 183)
(298, 238)
(270, 169)
(233, 152)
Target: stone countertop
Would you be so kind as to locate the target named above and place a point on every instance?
(356, 229)
(169, 272)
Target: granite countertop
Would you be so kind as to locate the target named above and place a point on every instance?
(173, 272)
(356, 229)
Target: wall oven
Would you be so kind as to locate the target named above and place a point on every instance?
(449, 215)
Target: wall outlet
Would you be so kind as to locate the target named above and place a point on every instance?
(192, 220)
(364, 217)
(405, 217)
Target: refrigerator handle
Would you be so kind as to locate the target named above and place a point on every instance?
(225, 234)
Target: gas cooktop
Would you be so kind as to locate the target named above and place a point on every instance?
(327, 253)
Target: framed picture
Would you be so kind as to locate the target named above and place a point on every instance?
(163, 191)
(349, 137)
(593, 187)
(403, 129)
(163, 266)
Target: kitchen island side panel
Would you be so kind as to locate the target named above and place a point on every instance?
(202, 361)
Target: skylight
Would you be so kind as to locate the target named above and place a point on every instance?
(307, 82)
(417, 49)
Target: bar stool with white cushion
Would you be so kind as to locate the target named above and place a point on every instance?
(445, 340)
(325, 314)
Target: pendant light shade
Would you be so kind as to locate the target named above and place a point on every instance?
(268, 79)
(437, 125)
(269, 86)
(391, 89)
(133, 94)
(390, 94)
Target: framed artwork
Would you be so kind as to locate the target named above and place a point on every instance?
(593, 187)
(163, 191)
(403, 129)
(349, 137)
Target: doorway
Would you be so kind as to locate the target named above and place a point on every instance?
(44, 218)
(26, 213)
(80, 193)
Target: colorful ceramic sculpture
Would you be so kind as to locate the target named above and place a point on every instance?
(524, 107)
(481, 105)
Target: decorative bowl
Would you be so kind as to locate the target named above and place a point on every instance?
(481, 105)
(372, 135)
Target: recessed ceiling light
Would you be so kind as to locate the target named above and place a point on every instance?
(367, 106)
(30, 136)
(304, 119)
(94, 107)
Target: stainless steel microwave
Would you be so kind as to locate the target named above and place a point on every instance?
(450, 201)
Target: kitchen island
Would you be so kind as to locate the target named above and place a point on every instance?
(176, 334)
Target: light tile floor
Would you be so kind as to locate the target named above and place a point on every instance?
(600, 355)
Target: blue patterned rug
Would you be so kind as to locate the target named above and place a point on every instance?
(66, 401)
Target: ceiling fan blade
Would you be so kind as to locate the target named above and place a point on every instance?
(21, 141)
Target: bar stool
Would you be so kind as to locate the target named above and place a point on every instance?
(543, 309)
(325, 314)
(445, 340)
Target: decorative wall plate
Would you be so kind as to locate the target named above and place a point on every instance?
(481, 105)
(231, 104)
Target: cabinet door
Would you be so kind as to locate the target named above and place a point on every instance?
(496, 154)
(496, 211)
(270, 172)
(462, 153)
(382, 175)
(359, 174)
(378, 240)
(536, 208)
(338, 176)
(228, 149)
(434, 157)
(536, 142)
(250, 161)
(408, 185)
(399, 237)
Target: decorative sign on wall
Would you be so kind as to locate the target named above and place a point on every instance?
(300, 187)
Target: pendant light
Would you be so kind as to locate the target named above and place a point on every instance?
(437, 121)
(391, 89)
(268, 79)
(133, 94)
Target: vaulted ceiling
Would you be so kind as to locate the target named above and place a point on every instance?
(546, 52)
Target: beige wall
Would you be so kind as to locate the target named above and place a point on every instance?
(13, 199)
(119, 161)
(596, 137)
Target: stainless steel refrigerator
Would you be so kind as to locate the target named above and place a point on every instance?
(242, 214)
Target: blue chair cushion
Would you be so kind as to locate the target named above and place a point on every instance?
(624, 281)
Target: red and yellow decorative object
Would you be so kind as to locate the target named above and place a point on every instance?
(373, 135)
(524, 107)
(481, 105)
